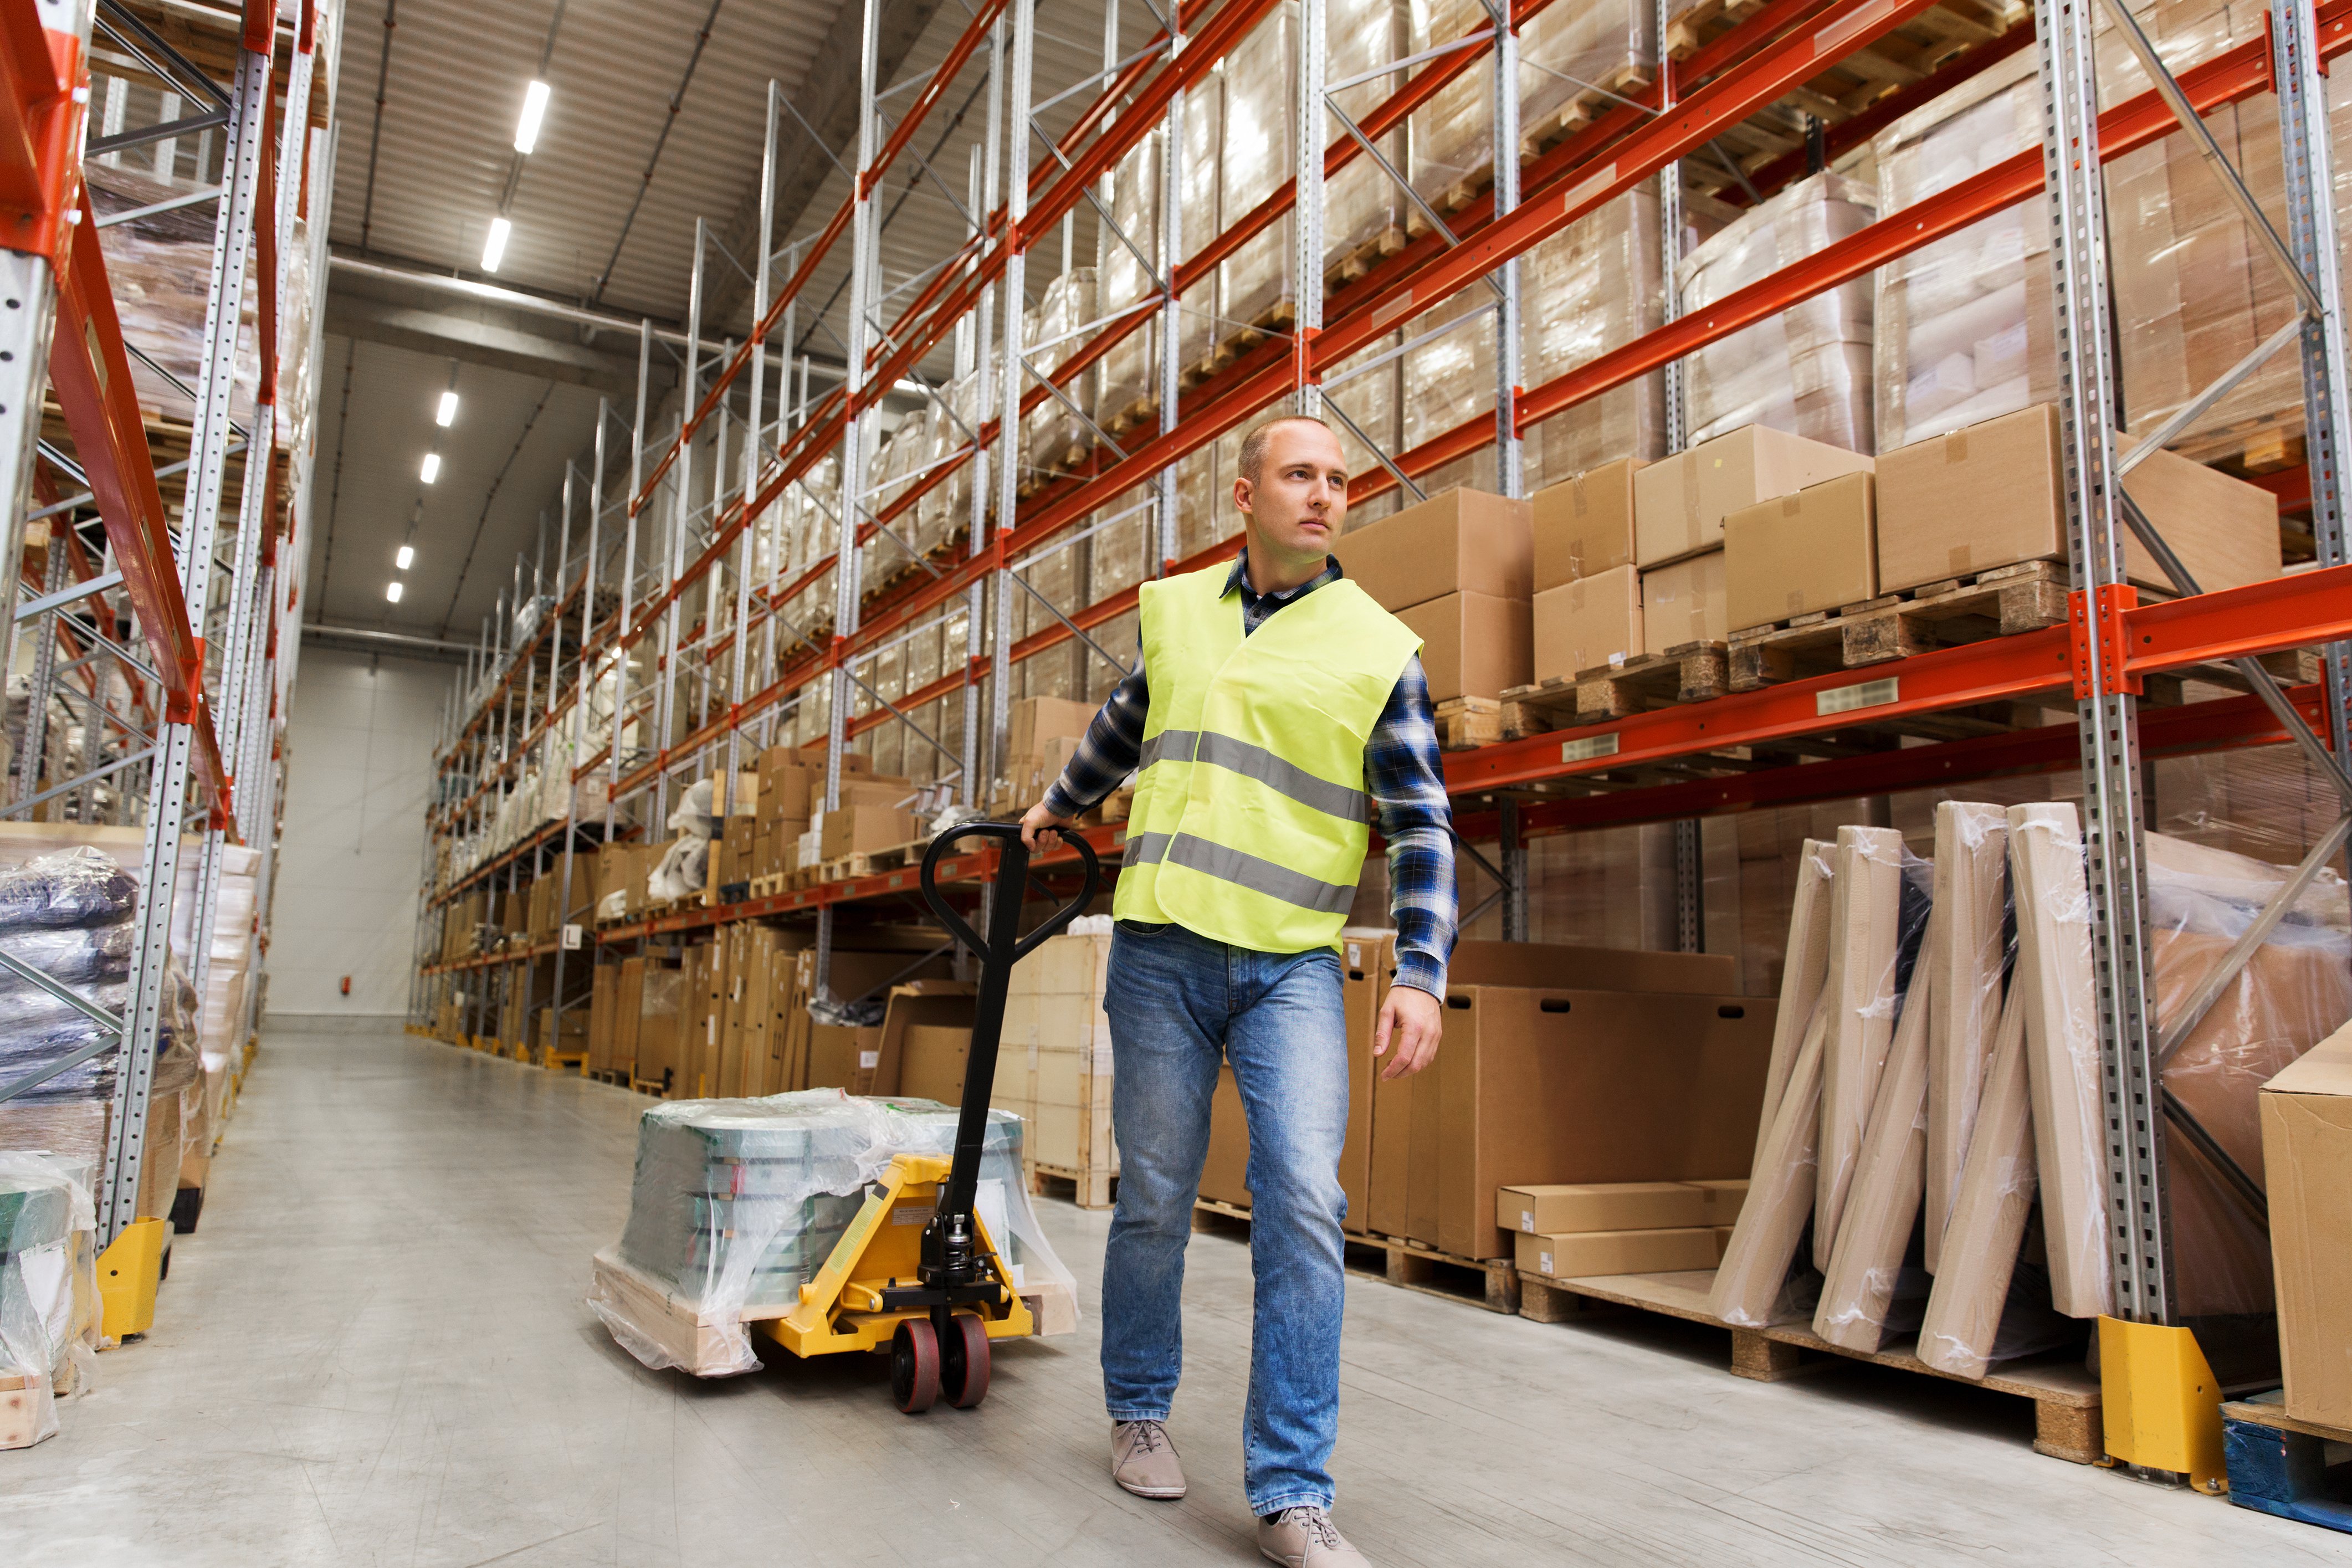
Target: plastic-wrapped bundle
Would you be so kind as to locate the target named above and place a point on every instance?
(738, 1203)
(943, 512)
(1205, 515)
(81, 886)
(1054, 438)
(1591, 287)
(160, 265)
(1449, 379)
(1260, 157)
(49, 1281)
(71, 953)
(1806, 370)
(1364, 211)
(1129, 384)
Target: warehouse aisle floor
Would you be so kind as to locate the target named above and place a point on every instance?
(374, 1351)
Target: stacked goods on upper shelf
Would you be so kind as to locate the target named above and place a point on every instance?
(1588, 591)
(1363, 210)
(1042, 734)
(1054, 438)
(1054, 1061)
(1128, 390)
(1457, 570)
(1257, 157)
(1936, 1086)
(1806, 369)
(1796, 554)
(1594, 286)
(1680, 508)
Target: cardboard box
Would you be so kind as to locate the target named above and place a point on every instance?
(1560, 1087)
(1724, 1199)
(1363, 987)
(661, 1001)
(2306, 1113)
(862, 829)
(1225, 1174)
(1989, 496)
(1460, 542)
(1035, 721)
(1472, 645)
(1679, 504)
(1683, 602)
(733, 852)
(1585, 526)
(1553, 1210)
(844, 1057)
(1588, 623)
(1816, 550)
(1587, 1255)
(741, 800)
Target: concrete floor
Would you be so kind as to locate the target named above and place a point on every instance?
(374, 1351)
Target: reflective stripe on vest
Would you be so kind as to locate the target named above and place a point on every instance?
(1249, 823)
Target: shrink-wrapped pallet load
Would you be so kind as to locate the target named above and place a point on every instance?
(1056, 439)
(1259, 158)
(1805, 370)
(1972, 899)
(49, 1309)
(1594, 286)
(1128, 377)
(1363, 210)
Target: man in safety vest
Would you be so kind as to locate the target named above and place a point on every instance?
(1285, 716)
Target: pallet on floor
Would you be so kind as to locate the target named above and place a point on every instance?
(617, 1076)
(2065, 1396)
(2002, 602)
(565, 1061)
(2278, 1465)
(1463, 723)
(1492, 1283)
(1089, 1189)
(1687, 673)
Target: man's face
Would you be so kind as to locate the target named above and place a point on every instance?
(1299, 498)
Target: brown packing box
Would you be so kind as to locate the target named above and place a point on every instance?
(1679, 504)
(1683, 602)
(1224, 1172)
(1724, 1199)
(1036, 721)
(1989, 496)
(1472, 645)
(1585, 526)
(661, 1002)
(1790, 556)
(926, 1036)
(742, 800)
(1459, 542)
(1578, 1085)
(844, 1057)
(1586, 624)
(862, 829)
(735, 852)
(1600, 1205)
(2306, 1113)
(784, 783)
(1361, 991)
(1585, 1255)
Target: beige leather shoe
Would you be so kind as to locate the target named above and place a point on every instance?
(1144, 1461)
(1306, 1538)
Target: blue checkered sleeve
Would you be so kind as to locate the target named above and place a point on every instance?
(1402, 773)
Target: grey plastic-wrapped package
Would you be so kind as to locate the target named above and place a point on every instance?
(2052, 900)
(1972, 898)
(737, 1204)
(1861, 994)
(80, 886)
(49, 1284)
(1805, 370)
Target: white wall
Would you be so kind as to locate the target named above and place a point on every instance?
(361, 739)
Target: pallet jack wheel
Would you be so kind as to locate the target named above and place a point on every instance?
(915, 1366)
(964, 1378)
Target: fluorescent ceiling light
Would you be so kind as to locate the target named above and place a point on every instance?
(534, 110)
(392, 592)
(446, 414)
(404, 556)
(494, 248)
(432, 467)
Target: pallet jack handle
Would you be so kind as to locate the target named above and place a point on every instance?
(947, 1241)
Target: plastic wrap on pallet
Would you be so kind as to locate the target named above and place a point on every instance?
(1594, 287)
(1576, 63)
(1368, 397)
(1806, 370)
(1259, 158)
(737, 1204)
(49, 1324)
(1450, 378)
(1205, 513)
(1364, 211)
(159, 266)
(1054, 439)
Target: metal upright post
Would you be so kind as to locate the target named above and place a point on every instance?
(758, 355)
(1689, 924)
(978, 752)
(167, 800)
(628, 576)
(1015, 172)
(862, 267)
(1307, 215)
(1166, 523)
(681, 478)
(2307, 164)
(2107, 713)
(555, 756)
(1511, 471)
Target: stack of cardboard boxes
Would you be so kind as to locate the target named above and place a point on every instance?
(1042, 734)
(1054, 1063)
(1581, 1229)
(1457, 568)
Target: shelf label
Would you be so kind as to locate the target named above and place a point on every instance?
(1864, 694)
(1589, 749)
(571, 939)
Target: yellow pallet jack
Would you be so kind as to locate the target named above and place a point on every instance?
(937, 1296)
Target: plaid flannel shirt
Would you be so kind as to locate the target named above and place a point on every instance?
(1403, 774)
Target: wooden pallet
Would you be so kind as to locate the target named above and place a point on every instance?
(1998, 603)
(1491, 1283)
(1463, 723)
(1588, 103)
(563, 1061)
(613, 1075)
(769, 886)
(2065, 1396)
(1087, 1189)
(1688, 672)
(2263, 444)
(2278, 1465)
(1275, 321)
(1143, 411)
(1359, 260)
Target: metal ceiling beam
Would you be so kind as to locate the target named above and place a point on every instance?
(479, 332)
(361, 639)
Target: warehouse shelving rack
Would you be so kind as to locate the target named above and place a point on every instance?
(186, 739)
(1672, 764)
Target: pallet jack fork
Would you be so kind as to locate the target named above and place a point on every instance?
(938, 1296)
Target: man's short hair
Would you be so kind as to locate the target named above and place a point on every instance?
(1253, 444)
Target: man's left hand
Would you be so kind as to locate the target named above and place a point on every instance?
(1413, 1021)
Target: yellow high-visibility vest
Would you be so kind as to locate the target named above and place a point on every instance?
(1250, 819)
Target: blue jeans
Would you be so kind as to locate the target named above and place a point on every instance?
(1177, 1003)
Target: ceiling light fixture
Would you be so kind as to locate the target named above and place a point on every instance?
(404, 557)
(446, 414)
(432, 468)
(534, 110)
(392, 592)
(494, 248)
